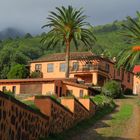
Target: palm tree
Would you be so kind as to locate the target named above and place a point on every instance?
(67, 25)
(130, 56)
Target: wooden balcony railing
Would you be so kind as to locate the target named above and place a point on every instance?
(88, 68)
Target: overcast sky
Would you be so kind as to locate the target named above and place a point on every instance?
(30, 15)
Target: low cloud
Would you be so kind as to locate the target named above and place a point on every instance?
(30, 15)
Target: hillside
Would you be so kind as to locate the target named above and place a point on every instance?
(10, 33)
(22, 49)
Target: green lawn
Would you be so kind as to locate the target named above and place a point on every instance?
(120, 119)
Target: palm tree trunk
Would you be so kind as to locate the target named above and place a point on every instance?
(67, 59)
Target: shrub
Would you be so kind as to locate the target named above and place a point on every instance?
(128, 91)
(103, 101)
(9, 92)
(18, 71)
(112, 89)
(36, 74)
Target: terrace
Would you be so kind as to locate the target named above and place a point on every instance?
(88, 68)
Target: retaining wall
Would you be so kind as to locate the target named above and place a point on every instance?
(20, 122)
(79, 111)
(61, 118)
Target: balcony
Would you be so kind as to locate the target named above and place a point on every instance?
(88, 68)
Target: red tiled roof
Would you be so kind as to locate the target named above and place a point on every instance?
(73, 56)
(61, 56)
(75, 84)
(33, 80)
(136, 69)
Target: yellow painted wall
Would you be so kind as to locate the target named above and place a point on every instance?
(136, 87)
(112, 74)
(9, 87)
(76, 90)
(47, 88)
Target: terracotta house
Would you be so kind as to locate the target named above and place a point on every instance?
(86, 71)
(85, 66)
(136, 87)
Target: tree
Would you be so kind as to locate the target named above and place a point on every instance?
(68, 24)
(17, 72)
(130, 56)
(28, 35)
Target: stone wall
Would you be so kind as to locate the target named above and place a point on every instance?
(61, 118)
(20, 122)
(89, 105)
(80, 112)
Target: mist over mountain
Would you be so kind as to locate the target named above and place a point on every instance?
(11, 32)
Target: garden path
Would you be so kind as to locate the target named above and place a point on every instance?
(114, 126)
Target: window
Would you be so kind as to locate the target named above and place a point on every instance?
(38, 67)
(62, 67)
(14, 89)
(50, 67)
(128, 77)
(81, 93)
(75, 66)
(107, 67)
(56, 90)
(69, 92)
(4, 88)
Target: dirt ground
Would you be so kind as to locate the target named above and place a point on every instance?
(131, 131)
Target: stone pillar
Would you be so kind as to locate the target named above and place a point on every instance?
(95, 78)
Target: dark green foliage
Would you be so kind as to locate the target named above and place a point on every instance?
(112, 89)
(102, 100)
(18, 71)
(128, 91)
(21, 50)
(9, 92)
(28, 35)
(36, 74)
(18, 51)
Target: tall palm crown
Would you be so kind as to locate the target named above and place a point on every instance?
(68, 24)
(130, 56)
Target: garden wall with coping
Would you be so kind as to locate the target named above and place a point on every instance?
(19, 121)
(79, 111)
(88, 104)
(61, 118)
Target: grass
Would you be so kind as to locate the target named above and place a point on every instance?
(32, 105)
(120, 119)
(80, 127)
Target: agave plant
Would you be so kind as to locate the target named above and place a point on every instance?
(130, 56)
(67, 25)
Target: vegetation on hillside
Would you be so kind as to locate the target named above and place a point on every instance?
(26, 48)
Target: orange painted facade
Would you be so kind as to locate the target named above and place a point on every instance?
(136, 89)
(58, 87)
(95, 70)
(86, 70)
